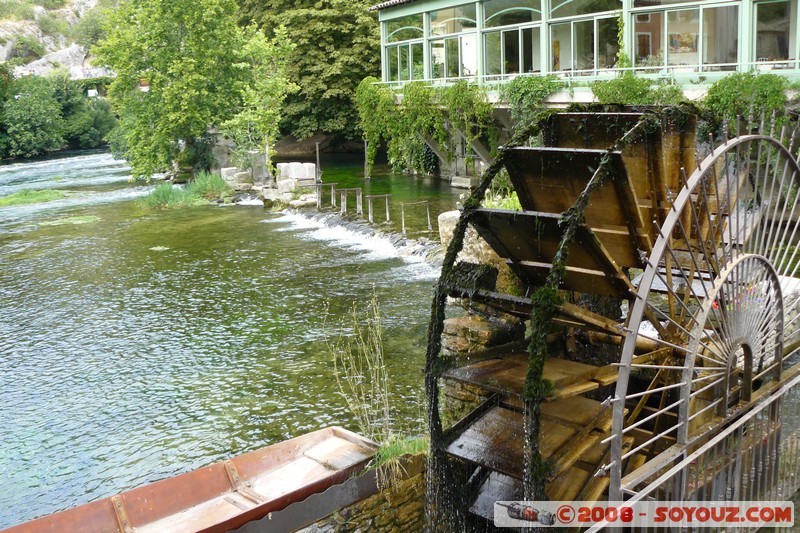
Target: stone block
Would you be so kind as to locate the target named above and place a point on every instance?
(465, 182)
(469, 333)
(285, 186)
(228, 173)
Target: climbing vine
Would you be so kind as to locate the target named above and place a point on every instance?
(374, 102)
(525, 96)
(469, 112)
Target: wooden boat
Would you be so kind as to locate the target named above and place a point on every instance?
(225, 495)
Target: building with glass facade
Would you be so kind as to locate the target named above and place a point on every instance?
(492, 40)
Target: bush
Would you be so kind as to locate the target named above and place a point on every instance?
(26, 49)
(743, 92)
(53, 26)
(16, 10)
(50, 4)
(89, 29)
(632, 90)
(526, 94)
(33, 120)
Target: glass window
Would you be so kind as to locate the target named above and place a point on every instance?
(391, 56)
(583, 45)
(417, 61)
(719, 41)
(506, 12)
(683, 29)
(511, 52)
(437, 59)
(775, 31)
(649, 46)
(561, 46)
(492, 48)
(571, 8)
(607, 42)
(454, 57)
(404, 29)
(530, 50)
(453, 20)
(405, 66)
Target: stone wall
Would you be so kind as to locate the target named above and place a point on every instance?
(397, 509)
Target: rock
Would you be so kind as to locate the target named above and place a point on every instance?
(228, 174)
(271, 194)
(258, 166)
(469, 333)
(303, 203)
(69, 58)
(285, 186)
(464, 182)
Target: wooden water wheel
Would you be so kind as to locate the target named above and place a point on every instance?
(700, 253)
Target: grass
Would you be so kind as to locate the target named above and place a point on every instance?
(28, 196)
(199, 191)
(71, 220)
(506, 200)
(391, 452)
(208, 185)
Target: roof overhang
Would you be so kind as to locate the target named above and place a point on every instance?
(390, 3)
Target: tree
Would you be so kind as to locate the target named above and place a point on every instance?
(338, 45)
(32, 117)
(256, 123)
(188, 54)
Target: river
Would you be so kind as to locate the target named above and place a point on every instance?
(142, 344)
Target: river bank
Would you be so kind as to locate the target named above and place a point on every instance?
(148, 343)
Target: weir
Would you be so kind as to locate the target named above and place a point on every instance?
(618, 211)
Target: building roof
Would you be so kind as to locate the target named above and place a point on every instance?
(390, 3)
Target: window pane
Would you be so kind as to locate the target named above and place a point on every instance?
(561, 48)
(584, 45)
(719, 42)
(505, 12)
(451, 54)
(437, 59)
(417, 62)
(391, 57)
(530, 50)
(511, 52)
(608, 42)
(649, 51)
(492, 53)
(682, 31)
(453, 20)
(774, 25)
(405, 67)
(570, 8)
(404, 28)
(469, 55)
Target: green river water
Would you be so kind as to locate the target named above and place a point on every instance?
(149, 343)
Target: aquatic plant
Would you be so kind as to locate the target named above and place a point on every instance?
(74, 221)
(166, 195)
(29, 196)
(208, 185)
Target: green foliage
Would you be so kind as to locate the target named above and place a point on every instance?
(632, 90)
(71, 221)
(33, 119)
(526, 94)
(208, 185)
(375, 103)
(26, 49)
(338, 45)
(195, 60)
(256, 125)
(744, 92)
(50, 4)
(419, 115)
(16, 10)
(166, 195)
(28, 196)
(505, 200)
(204, 187)
(468, 110)
(90, 28)
(52, 25)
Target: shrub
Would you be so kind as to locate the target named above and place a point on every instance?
(525, 95)
(743, 92)
(633, 90)
(16, 10)
(53, 26)
(89, 29)
(26, 49)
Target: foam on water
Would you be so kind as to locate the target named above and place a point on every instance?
(373, 246)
